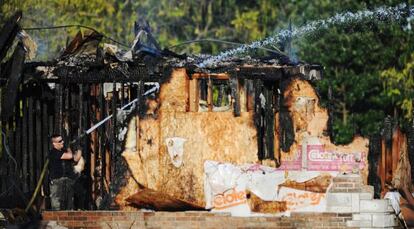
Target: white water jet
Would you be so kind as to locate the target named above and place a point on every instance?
(383, 13)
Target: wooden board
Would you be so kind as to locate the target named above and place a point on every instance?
(218, 136)
(151, 199)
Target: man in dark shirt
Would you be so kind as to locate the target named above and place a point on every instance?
(61, 174)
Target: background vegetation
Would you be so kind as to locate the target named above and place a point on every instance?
(369, 66)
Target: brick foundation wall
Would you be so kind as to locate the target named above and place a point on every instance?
(122, 219)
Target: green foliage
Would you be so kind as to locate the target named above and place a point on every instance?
(399, 86)
(354, 56)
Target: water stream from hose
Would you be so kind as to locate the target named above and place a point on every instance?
(377, 15)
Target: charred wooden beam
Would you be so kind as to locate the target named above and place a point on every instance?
(58, 109)
(31, 145)
(18, 141)
(89, 78)
(86, 150)
(277, 96)
(45, 148)
(8, 33)
(287, 134)
(220, 76)
(38, 136)
(374, 154)
(114, 135)
(101, 135)
(140, 102)
(269, 119)
(24, 146)
(258, 117)
(234, 86)
(93, 142)
(274, 73)
(269, 73)
(140, 87)
(210, 95)
(13, 83)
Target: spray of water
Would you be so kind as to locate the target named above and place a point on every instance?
(381, 14)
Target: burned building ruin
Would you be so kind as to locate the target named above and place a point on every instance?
(174, 131)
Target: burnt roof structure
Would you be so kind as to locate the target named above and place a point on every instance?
(107, 68)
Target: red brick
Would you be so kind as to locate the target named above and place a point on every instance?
(65, 218)
(60, 213)
(80, 218)
(49, 217)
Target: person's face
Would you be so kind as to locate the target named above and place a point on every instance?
(57, 143)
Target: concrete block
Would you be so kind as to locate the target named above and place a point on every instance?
(355, 202)
(346, 177)
(383, 220)
(362, 216)
(358, 223)
(339, 199)
(339, 209)
(366, 196)
(375, 206)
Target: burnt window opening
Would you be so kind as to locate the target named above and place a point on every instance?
(266, 106)
(221, 95)
(203, 95)
(214, 95)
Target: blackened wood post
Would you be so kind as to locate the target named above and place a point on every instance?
(45, 149)
(18, 140)
(31, 147)
(39, 154)
(45, 131)
(210, 95)
(81, 121)
(234, 86)
(58, 109)
(93, 138)
(81, 129)
(140, 101)
(101, 134)
(258, 120)
(114, 141)
(277, 103)
(108, 132)
(24, 145)
(269, 121)
(85, 116)
(65, 116)
(11, 144)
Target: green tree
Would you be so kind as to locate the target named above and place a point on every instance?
(399, 86)
(354, 56)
